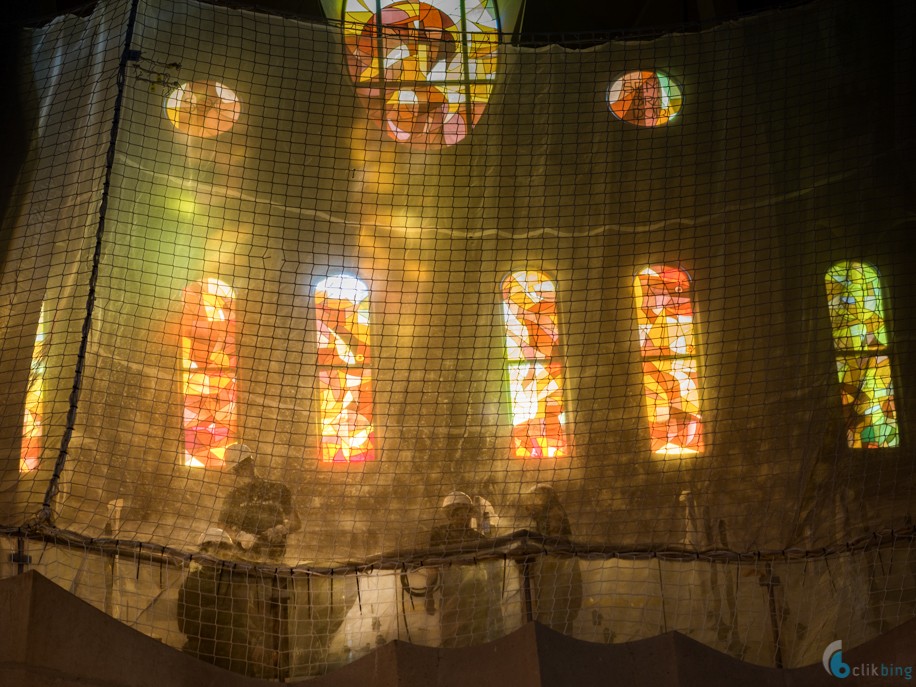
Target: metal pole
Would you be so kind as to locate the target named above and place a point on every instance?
(45, 516)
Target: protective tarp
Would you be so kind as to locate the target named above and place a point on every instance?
(654, 352)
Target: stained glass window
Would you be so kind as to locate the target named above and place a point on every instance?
(535, 367)
(344, 375)
(209, 360)
(645, 98)
(33, 420)
(665, 319)
(203, 108)
(861, 342)
(425, 69)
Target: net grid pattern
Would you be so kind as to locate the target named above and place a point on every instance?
(498, 351)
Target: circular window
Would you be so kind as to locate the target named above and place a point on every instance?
(645, 98)
(203, 108)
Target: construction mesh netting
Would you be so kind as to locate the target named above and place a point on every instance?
(320, 334)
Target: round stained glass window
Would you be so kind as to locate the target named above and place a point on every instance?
(203, 108)
(645, 98)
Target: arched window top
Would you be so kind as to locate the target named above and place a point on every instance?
(212, 287)
(530, 302)
(645, 98)
(342, 302)
(665, 311)
(856, 306)
(213, 296)
(343, 287)
(529, 287)
(203, 108)
(673, 279)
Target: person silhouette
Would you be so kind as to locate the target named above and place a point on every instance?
(259, 514)
(555, 582)
(464, 597)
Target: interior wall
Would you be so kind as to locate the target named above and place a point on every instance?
(780, 164)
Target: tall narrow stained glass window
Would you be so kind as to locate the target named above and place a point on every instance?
(860, 339)
(33, 419)
(344, 376)
(535, 367)
(425, 69)
(665, 318)
(209, 350)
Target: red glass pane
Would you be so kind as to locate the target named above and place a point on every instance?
(209, 360)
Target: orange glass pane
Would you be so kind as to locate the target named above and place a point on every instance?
(209, 361)
(530, 306)
(347, 434)
(664, 312)
(856, 307)
(535, 371)
(673, 406)
(538, 422)
(344, 378)
(425, 70)
(203, 108)
(645, 98)
(665, 321)
(33, 417)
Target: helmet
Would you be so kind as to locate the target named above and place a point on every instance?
(236, 454)
(542, 493)
(457, 498)
(214, 535)
(540, 489)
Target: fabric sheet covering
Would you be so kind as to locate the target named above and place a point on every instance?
(789, 155)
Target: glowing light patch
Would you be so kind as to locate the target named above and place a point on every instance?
(855, 303)
(645, 98)
(535, 370)
(209, 362)
(670, 381)
(344, 377)
(203, 108)
(344, 288)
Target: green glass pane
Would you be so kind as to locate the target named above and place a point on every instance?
(856, 307)
(868, 400)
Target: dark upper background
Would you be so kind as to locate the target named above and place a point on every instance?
(541, 16)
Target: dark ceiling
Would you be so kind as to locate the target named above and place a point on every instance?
(540, 16)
